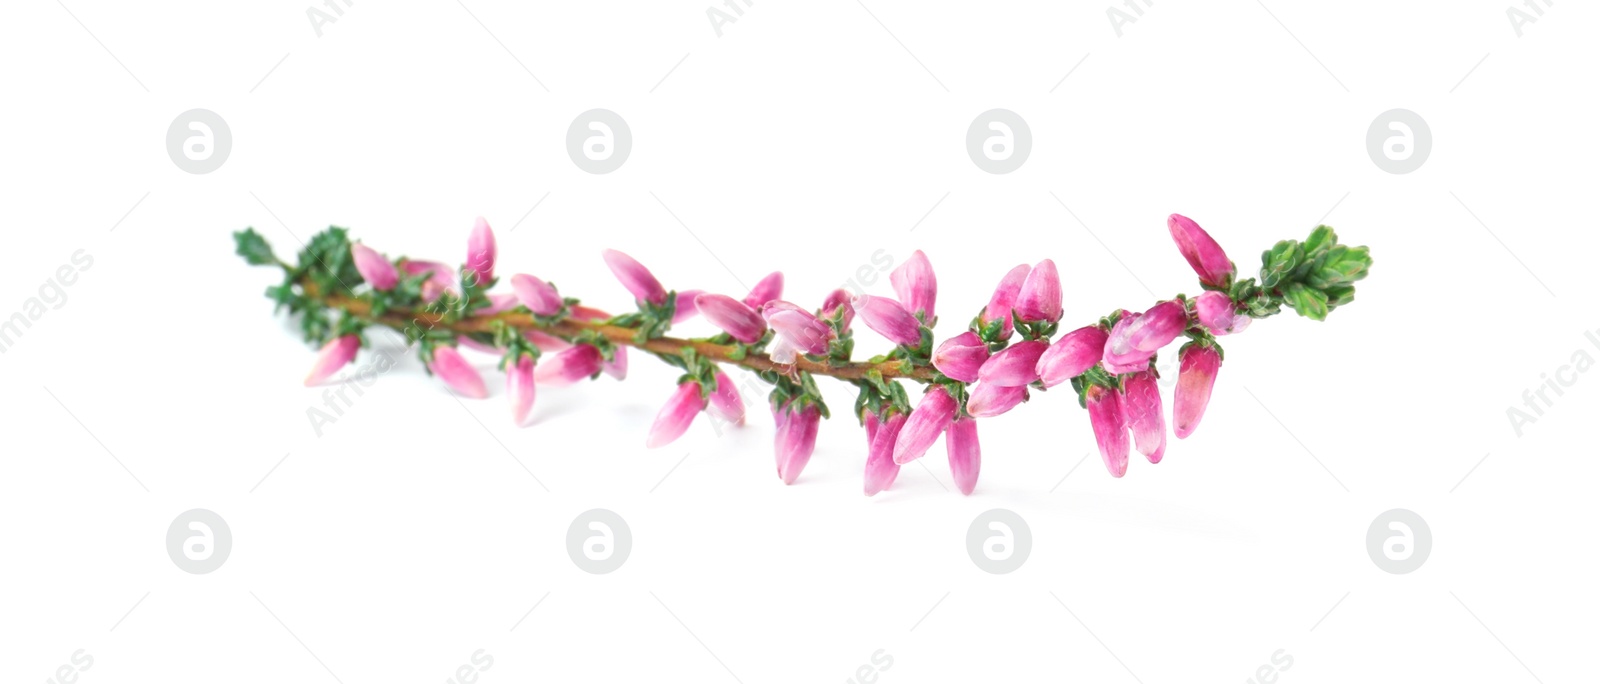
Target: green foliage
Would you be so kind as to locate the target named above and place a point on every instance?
(1313, 277)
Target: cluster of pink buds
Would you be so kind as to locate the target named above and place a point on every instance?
(1009, 352)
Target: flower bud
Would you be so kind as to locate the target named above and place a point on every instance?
(800, 330)
(1120, 355)
(932, 414)
(837, 300)
(1215, 311)
(881, 468)
(915, 285)
(1014, 366)
(795, 440)
(1004, 300)
(569, 365)
(732, 316)
(441, 278)
(333, 356)
(634, 276)
(888, 318)
(481, 253)
(676, 415)
(374, 269)
(960, 357)
(961, 444)
(1158, 327)
(725, 403)
(1197, 372)
(1141, 404)
(1110, 427)
(539, 296)
(454, 370)
(770, 288)
(986, 401)
(520, 389)
(1203, 254)
(1071, 355)
(685, 308)
(1040, 296)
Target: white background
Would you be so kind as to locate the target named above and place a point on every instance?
(805, 138)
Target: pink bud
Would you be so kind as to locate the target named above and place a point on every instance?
(1014, 366)
(837, 300)
(569, 365)
(499, 302)
(796, 439)
(915, 285)
(986, 401)
(374, 269)
(1215, 311)
(960, 357)
(738, 320)
(1004, 300)
(635, 277)
(887, 318)
(961, 444)
(800, 329)
(1203, 254)
(1158, 327)
(725, 403)
(1110, 427)
(441, 277)
(675, 417)
(881, 468)
(932, 414)
(454, 370)
(539, 296)
(685, 308)
(588, 313)
(617, 367)
(1120, 355)
(333, 356)
(520, 389)
(1141, 404)
(481, 252)
(1071, 355)
(770, 288)
(475, 345)
(1197, 372)
(1040, 297)
(546, 342)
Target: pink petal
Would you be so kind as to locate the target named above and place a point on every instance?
(333, 356)
(961, 445)
(675, 417)
(932, 414)
(539, 296)
(454, 370)
(520, 390)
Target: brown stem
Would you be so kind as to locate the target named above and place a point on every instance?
(403, 320)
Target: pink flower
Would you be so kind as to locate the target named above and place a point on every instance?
(441, 278)
(1120, 354)
(1014, 366)
(374, 269)
(987, 401)
(888, 318)
(333, 356)
(569, 365)
(881, 468)
(932, 414)
(1141, 404)
(675, 417)
(539, 296)
(1158, 327)
(1215, 311)
(454, 370)
(1004, 300)
(617, 367)
(1203, 254)
(961, 444)
(1110, 427)
(685, 308)
(546, 342)
(915, 285)
(839, 300)
(960, 357)
(1040, 297)
(499, 302)
(1197, 372)
(635, 277)
(798, 329)
(732, 316)
(1071, 355)
(725, 404)
(770, 288)
(796, 439)
(520, 389)
(481, 253)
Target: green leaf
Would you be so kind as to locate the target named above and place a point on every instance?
(1307, 301)
(254, 248)
(1276, 263)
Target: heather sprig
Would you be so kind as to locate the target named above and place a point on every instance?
(337, 289)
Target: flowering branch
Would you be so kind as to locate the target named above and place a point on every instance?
(338, 289)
